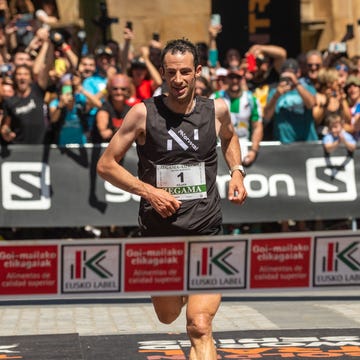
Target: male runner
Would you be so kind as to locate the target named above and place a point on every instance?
(176, 137)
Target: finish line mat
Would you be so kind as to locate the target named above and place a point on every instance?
(41, 347)
(239, 345)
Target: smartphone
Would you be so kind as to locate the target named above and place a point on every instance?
(129, 25)
(60, 66)
(339, 47)
(66, 89)
(215, 19)
(251, 62)
(156, 36)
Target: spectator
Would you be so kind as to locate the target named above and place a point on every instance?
(355, 65)
(4, 13)
(25, 119)
(22, 16)
(202, 87)
(218, 80)
(232, 58)
(290, 105)
(203, 50)
(23, 57)
(246, 114)
(144, 74)
(268, 60)
(111, 114)
(337, 135)
(343, 67)
(352, 90)
(87, 66)
(314, 63)
(96, 83)
(47, 14)
(330, 98)
(6, 90)
(4, 52)
(66, 112)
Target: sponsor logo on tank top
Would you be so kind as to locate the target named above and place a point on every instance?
(183, 140)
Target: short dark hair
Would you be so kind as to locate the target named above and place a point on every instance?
(180, 46)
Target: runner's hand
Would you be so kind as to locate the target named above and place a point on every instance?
(163, 203)
(237, 192)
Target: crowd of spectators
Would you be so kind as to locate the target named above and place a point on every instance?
(54, 92)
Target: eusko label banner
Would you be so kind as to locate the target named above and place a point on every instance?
(217, 265)
(179, 265)
(91, 269)
(337, 261)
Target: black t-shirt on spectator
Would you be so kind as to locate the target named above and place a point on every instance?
(115, 120)
(27, 115)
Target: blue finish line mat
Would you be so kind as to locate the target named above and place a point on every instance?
(240, 345)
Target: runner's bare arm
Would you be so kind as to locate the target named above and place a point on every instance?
(108, 167)
(231, 150)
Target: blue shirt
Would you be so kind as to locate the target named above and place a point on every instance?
(292, 120)
(94, 84)
(330, 138)
(72, 131)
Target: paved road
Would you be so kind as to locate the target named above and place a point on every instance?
(316, 310)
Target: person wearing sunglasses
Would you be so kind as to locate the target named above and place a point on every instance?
(314, 63)
(111, 114)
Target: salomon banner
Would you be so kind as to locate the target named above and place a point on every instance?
(50, 186)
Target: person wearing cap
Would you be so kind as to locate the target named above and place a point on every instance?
(218, 80)
(144, 74)
(289, 106)
(96, 84)
(245, 111)
(352, 90)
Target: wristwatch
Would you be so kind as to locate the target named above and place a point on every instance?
(239, 168)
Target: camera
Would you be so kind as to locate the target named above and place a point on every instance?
(57, 38)
(156, 36)
(286, 80)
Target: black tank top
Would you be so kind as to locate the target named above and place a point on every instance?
(173, 138)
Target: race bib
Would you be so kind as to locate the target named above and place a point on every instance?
(183, 181)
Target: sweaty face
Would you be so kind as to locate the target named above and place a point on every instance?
(180, 75)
